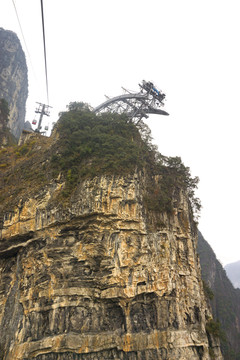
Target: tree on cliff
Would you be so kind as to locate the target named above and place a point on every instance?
(108, 143)
(85, 145)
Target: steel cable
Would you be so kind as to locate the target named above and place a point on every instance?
(20, 26)
(45, 54)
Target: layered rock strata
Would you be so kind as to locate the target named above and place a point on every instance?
(102, 279)
(13, 79)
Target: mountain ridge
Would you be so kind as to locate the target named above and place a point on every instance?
(225, 301)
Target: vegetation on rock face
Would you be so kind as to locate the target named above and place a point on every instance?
(24, 170)
(207, 291)
(109, 144)
(214, 328)
(89, 145)
(170, 176)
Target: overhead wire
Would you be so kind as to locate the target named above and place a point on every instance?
(45, 53)
(44, 44)
(20, 26)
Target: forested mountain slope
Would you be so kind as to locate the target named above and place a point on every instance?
(226, 300)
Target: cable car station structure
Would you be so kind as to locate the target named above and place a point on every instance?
(136, 106)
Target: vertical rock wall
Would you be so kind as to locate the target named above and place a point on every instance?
(102, 279)
(13, 79)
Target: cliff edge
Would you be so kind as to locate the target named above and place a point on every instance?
(98, 259)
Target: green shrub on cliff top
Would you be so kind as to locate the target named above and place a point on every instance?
(85, 145)
(91, 145)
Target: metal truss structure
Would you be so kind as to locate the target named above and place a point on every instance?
(42, 109)
(136, 106)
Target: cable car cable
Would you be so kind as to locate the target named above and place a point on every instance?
(20, 26)
(44, 45)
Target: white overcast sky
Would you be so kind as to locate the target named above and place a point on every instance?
(188, 48)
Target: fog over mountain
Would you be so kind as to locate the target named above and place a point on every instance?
(233, 272)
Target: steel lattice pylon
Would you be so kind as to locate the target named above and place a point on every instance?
(136, 106)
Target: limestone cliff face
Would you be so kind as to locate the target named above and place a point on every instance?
(6, 138)
(13, 79)
(102, 279)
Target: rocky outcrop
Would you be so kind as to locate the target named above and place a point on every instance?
(103, 278)
(13, 79)
(6, 138)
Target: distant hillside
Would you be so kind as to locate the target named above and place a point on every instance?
(233, 272)
(226, 301)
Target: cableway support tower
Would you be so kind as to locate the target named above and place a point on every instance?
(42, 109)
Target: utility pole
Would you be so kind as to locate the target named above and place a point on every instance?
(42, 109)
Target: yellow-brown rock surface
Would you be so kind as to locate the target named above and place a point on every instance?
(102, 279)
